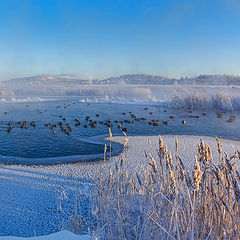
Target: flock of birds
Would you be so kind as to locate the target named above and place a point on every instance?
(66, 128)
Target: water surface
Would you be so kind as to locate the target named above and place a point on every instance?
(34, 142)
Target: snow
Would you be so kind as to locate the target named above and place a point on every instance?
(63, 235)
(29, 194)
(187, 148)
(206, 91)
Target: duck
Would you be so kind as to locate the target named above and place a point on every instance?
(196, 116)
(231, 119)
(10, 129)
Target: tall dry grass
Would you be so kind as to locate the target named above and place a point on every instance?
(163, 200)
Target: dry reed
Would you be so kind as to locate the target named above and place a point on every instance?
(163, 200)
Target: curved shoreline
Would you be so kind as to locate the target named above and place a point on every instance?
(116, 148)
(29, 193)
(134, 154)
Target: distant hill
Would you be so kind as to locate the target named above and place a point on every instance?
(211, 80)
(126, 79)
(155, 79)
(125, 87)
(141, 79)
(48, 80)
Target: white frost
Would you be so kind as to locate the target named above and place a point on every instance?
(63, 235)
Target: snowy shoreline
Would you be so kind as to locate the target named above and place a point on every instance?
(28, 193)
(135, 155)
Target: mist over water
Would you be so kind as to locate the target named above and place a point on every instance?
(171, 96)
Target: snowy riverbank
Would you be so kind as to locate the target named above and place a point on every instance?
(29, 194)
(63, 235)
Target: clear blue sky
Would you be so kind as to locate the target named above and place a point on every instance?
(103, 38)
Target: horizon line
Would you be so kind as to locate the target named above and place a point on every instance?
(116, 76)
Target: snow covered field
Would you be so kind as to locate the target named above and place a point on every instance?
(29, 195)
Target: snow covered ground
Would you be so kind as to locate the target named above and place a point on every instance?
(29, 195)
(63, 235)
(37, 201)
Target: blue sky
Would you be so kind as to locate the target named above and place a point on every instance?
(107, 38)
